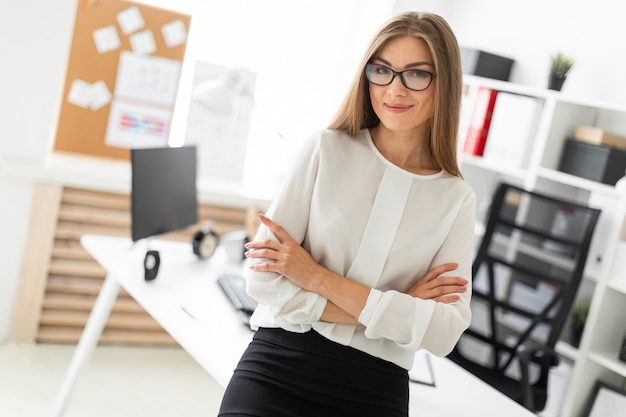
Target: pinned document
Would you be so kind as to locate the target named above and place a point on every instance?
(85, 95)
(143, 42)
(137, 126)
(130, 20)
(106, 39)
(147, 78)
(174, 33)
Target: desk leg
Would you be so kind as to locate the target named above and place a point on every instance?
(88, 340)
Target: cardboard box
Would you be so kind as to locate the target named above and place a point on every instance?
(484, 64)
(600, 163)
(599, 136)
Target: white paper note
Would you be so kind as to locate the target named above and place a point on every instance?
(86, 95)
(174, 33)
(100, 95)
(106, 39)
(130, 20)
(143, 42)
(80, 93)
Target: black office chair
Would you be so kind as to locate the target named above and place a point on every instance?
(525, 277)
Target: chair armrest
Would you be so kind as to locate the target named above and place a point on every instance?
(546, 358)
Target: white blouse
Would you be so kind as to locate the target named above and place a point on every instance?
(364, 218)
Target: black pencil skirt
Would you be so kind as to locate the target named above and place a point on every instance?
(304, 374)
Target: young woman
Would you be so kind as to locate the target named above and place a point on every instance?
(365, 255)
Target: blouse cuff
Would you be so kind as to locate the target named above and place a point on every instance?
(318, 309)
(373, 299)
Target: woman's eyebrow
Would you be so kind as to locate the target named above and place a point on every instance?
(410, 65)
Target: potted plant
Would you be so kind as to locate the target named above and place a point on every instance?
(578, 317)
(560, 64)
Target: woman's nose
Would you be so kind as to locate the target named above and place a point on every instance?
(396, 88)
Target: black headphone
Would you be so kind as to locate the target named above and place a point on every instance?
(151, 265)
(205, 242)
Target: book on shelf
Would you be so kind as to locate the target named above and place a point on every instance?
(512, 130)
(479, 122)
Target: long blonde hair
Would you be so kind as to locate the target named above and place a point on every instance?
(356, 111)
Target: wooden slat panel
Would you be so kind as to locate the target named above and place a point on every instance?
(70, 252)
(73, 231)
(61, 284)
(39, 243)
(76, 286)
(85, 302)
(96, 199)
(222, 214)
(75, 278)
(91, 215)
(57, 334)
(76, 268)
(77, 318)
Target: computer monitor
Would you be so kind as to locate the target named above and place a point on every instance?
(164, 191)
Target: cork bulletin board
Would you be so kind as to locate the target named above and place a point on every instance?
(122, 78)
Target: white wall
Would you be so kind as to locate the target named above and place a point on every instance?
(35, 48)
(34, 44)
(592, 32)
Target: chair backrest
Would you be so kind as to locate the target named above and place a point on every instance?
(526, 273)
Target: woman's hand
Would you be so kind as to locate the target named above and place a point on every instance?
(437, 287)
(346, 298)
(286, 257)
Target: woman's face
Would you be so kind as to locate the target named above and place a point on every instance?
(399, 108)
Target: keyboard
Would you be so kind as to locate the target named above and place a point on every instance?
(234, 287)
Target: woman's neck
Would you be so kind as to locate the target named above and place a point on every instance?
(408, 150)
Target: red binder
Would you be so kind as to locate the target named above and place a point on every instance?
(479, 123)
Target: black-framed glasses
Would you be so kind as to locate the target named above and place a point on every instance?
(413, 79)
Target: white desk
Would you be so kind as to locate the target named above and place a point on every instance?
(187, 301)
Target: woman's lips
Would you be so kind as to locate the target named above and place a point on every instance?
(397, 108)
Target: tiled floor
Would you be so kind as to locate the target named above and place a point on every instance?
(120, 381)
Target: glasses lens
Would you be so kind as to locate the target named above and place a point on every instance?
(412, 79)
(416, 79)
(378, 74)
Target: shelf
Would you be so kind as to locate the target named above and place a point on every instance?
(500, 239)
(541, 93)
(566, 350)
(536, 253)
(609, 361)
(479, 162)
(617, 286)
(577, 182)
(506, 86)
(592, 103)
(560, 114)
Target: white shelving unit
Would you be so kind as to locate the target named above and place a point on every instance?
(596, 358)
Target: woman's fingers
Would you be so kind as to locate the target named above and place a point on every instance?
(447, 299)
(447, 289)
(280, 233)
(265, 243)
(438, 287)
(435, 271)
(268, 248)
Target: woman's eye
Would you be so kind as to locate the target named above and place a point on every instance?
(417, 74)
(382, 70)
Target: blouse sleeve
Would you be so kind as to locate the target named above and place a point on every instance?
(285, 300)
(415, 323)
